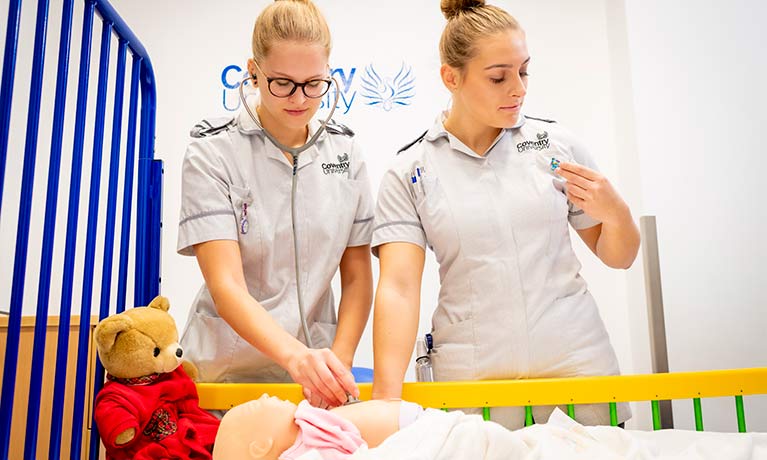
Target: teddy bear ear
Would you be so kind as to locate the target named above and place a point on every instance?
(259, 449)
(106, 331)
(160, 302)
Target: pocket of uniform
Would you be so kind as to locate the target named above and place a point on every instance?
(544, 161)
(427, 190)
(240, 195)
(209, 343)
(460, 331)
(242, 199)
(453, 352)
(322, 334)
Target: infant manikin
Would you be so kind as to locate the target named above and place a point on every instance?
(269, 428)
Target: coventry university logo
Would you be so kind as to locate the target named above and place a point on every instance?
(376, 89)
(342, 167)
(387, 92)
(542, 143)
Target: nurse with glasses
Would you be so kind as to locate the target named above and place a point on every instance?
(263, 241)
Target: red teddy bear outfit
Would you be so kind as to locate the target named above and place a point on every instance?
(163, 409)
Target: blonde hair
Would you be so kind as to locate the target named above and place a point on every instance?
(289, 20)
(467, 22)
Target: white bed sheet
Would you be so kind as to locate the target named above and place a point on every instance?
(437, 435)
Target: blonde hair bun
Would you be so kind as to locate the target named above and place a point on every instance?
(452, 8)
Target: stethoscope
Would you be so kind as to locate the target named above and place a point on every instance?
(294, 152)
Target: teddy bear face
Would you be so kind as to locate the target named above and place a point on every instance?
(138, 342)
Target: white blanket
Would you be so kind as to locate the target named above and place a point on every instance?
(437, 435)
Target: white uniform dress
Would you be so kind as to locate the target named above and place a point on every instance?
(237, 186)
(512, 304)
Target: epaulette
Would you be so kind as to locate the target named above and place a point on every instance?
(210, 126)
(419, 139)
(334, 127)
(540, 119)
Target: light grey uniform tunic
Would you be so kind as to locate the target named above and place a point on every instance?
(512, 304)
(237, 186)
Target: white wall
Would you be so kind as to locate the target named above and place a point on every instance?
(603, 68)
(698, 74)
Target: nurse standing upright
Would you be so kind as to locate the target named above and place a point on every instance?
(241, 217)
(492, 193)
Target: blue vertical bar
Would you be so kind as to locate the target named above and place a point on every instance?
(22, 229)
(147, 261)
(90, 243)
(130, 158)
(49, 230)
(155, 227)
(70, 248)
(6, 92)
(114, 167)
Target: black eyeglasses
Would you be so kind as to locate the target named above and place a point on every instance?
(285, 87)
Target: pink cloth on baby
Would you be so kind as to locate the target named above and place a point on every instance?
(335, 438)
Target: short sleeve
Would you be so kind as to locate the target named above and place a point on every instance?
(206, 207)
(362, 228)
(396, 217)
(576, 216)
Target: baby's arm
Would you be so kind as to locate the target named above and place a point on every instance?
(376, 419)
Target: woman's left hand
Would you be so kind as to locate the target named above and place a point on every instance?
(593, 193)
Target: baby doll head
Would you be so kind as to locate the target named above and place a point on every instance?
(260, 429)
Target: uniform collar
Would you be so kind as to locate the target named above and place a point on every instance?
(247, 126)
(438, 130)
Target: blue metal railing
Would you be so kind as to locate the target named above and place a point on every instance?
(148, 209)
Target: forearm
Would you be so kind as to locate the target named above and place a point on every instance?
(353, 313)
(253, 323)
(618, 241)
(395, 324)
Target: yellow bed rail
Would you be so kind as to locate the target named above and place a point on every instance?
(535, 392)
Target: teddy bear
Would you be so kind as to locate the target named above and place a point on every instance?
(149, 407)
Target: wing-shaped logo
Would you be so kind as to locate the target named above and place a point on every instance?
(386, 92)
(343, 158)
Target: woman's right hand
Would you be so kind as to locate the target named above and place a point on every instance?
(326, 381)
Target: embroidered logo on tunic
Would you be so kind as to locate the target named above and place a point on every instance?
(342, 167)
(160, 426)
(540, 144)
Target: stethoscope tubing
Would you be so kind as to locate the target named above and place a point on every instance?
(294, 152)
